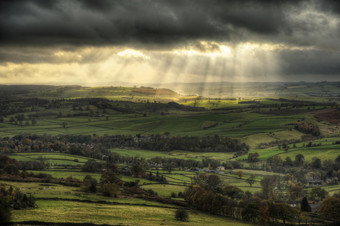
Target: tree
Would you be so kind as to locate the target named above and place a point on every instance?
(64, 124)
(330, 209)
(275, 161)
(286, 213)
(251, 180)
(239, 174)
(264, 212)
(109, 177)
(169, 166)
(213, 182)
(268, 184)
(89, 184)
(182, 215)
(318, 194)
(91, 166)
(296, 192)
(299, 160)
(233, 192)
(5, 213)
(253, 157)
(288, 162)
(305, 207)
(110, 189)
(285, 147)
(137, 170)
(251, 211)
(316, 163)
(208, 182)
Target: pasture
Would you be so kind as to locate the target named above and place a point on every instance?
(230, 124)
(327, 150)
(198, 156)
(74, 212)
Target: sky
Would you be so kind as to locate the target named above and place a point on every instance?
(105, 43)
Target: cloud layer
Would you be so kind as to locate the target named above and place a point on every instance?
(90, 32)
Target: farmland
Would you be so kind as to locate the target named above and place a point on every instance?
(63, 138)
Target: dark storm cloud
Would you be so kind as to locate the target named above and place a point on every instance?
(31, 31)
(162, 22)
(310, 62)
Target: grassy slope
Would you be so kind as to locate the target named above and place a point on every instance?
(64, 211)
(228, 124)
(327, 150)
(198, 156)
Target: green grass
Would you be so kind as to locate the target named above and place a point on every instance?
(46, 190)
(64, 173)
(65, 211)
(326, 151)
(185, 123)
(54, 159)
(254, 140)
(165, 189)
(173, 154)
(322, 152)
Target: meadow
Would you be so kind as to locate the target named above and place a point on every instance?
(126, 211)
(73, 212)
(326, 151)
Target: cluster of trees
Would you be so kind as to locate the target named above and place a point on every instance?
(110, 185)
(308, 128)
(323, 170)
(12, 166)
(267, 206)
(190, 143)
(13, 199)
(9, 107)
(16, 199)
(96, 146)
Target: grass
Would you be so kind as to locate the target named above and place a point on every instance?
(327, 150)
(54, 159)
(165, 189)
(66, 211)
(64, 173)
(173, 154)
(254, 140)
(46, 190)
(185, 123)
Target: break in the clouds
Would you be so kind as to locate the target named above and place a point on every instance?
(168, 40)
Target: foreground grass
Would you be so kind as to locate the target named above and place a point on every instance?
(56, 191)
(66, 211)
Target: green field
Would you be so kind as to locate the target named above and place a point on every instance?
(326, 151)
(47, 190)
(173, 154)
(65, 211)
(55, 160)
(165, 189)
(228, 124)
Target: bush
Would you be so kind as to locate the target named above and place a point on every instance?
(5, 213)
(182, 215)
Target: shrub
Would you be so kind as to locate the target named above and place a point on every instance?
(182, 215)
